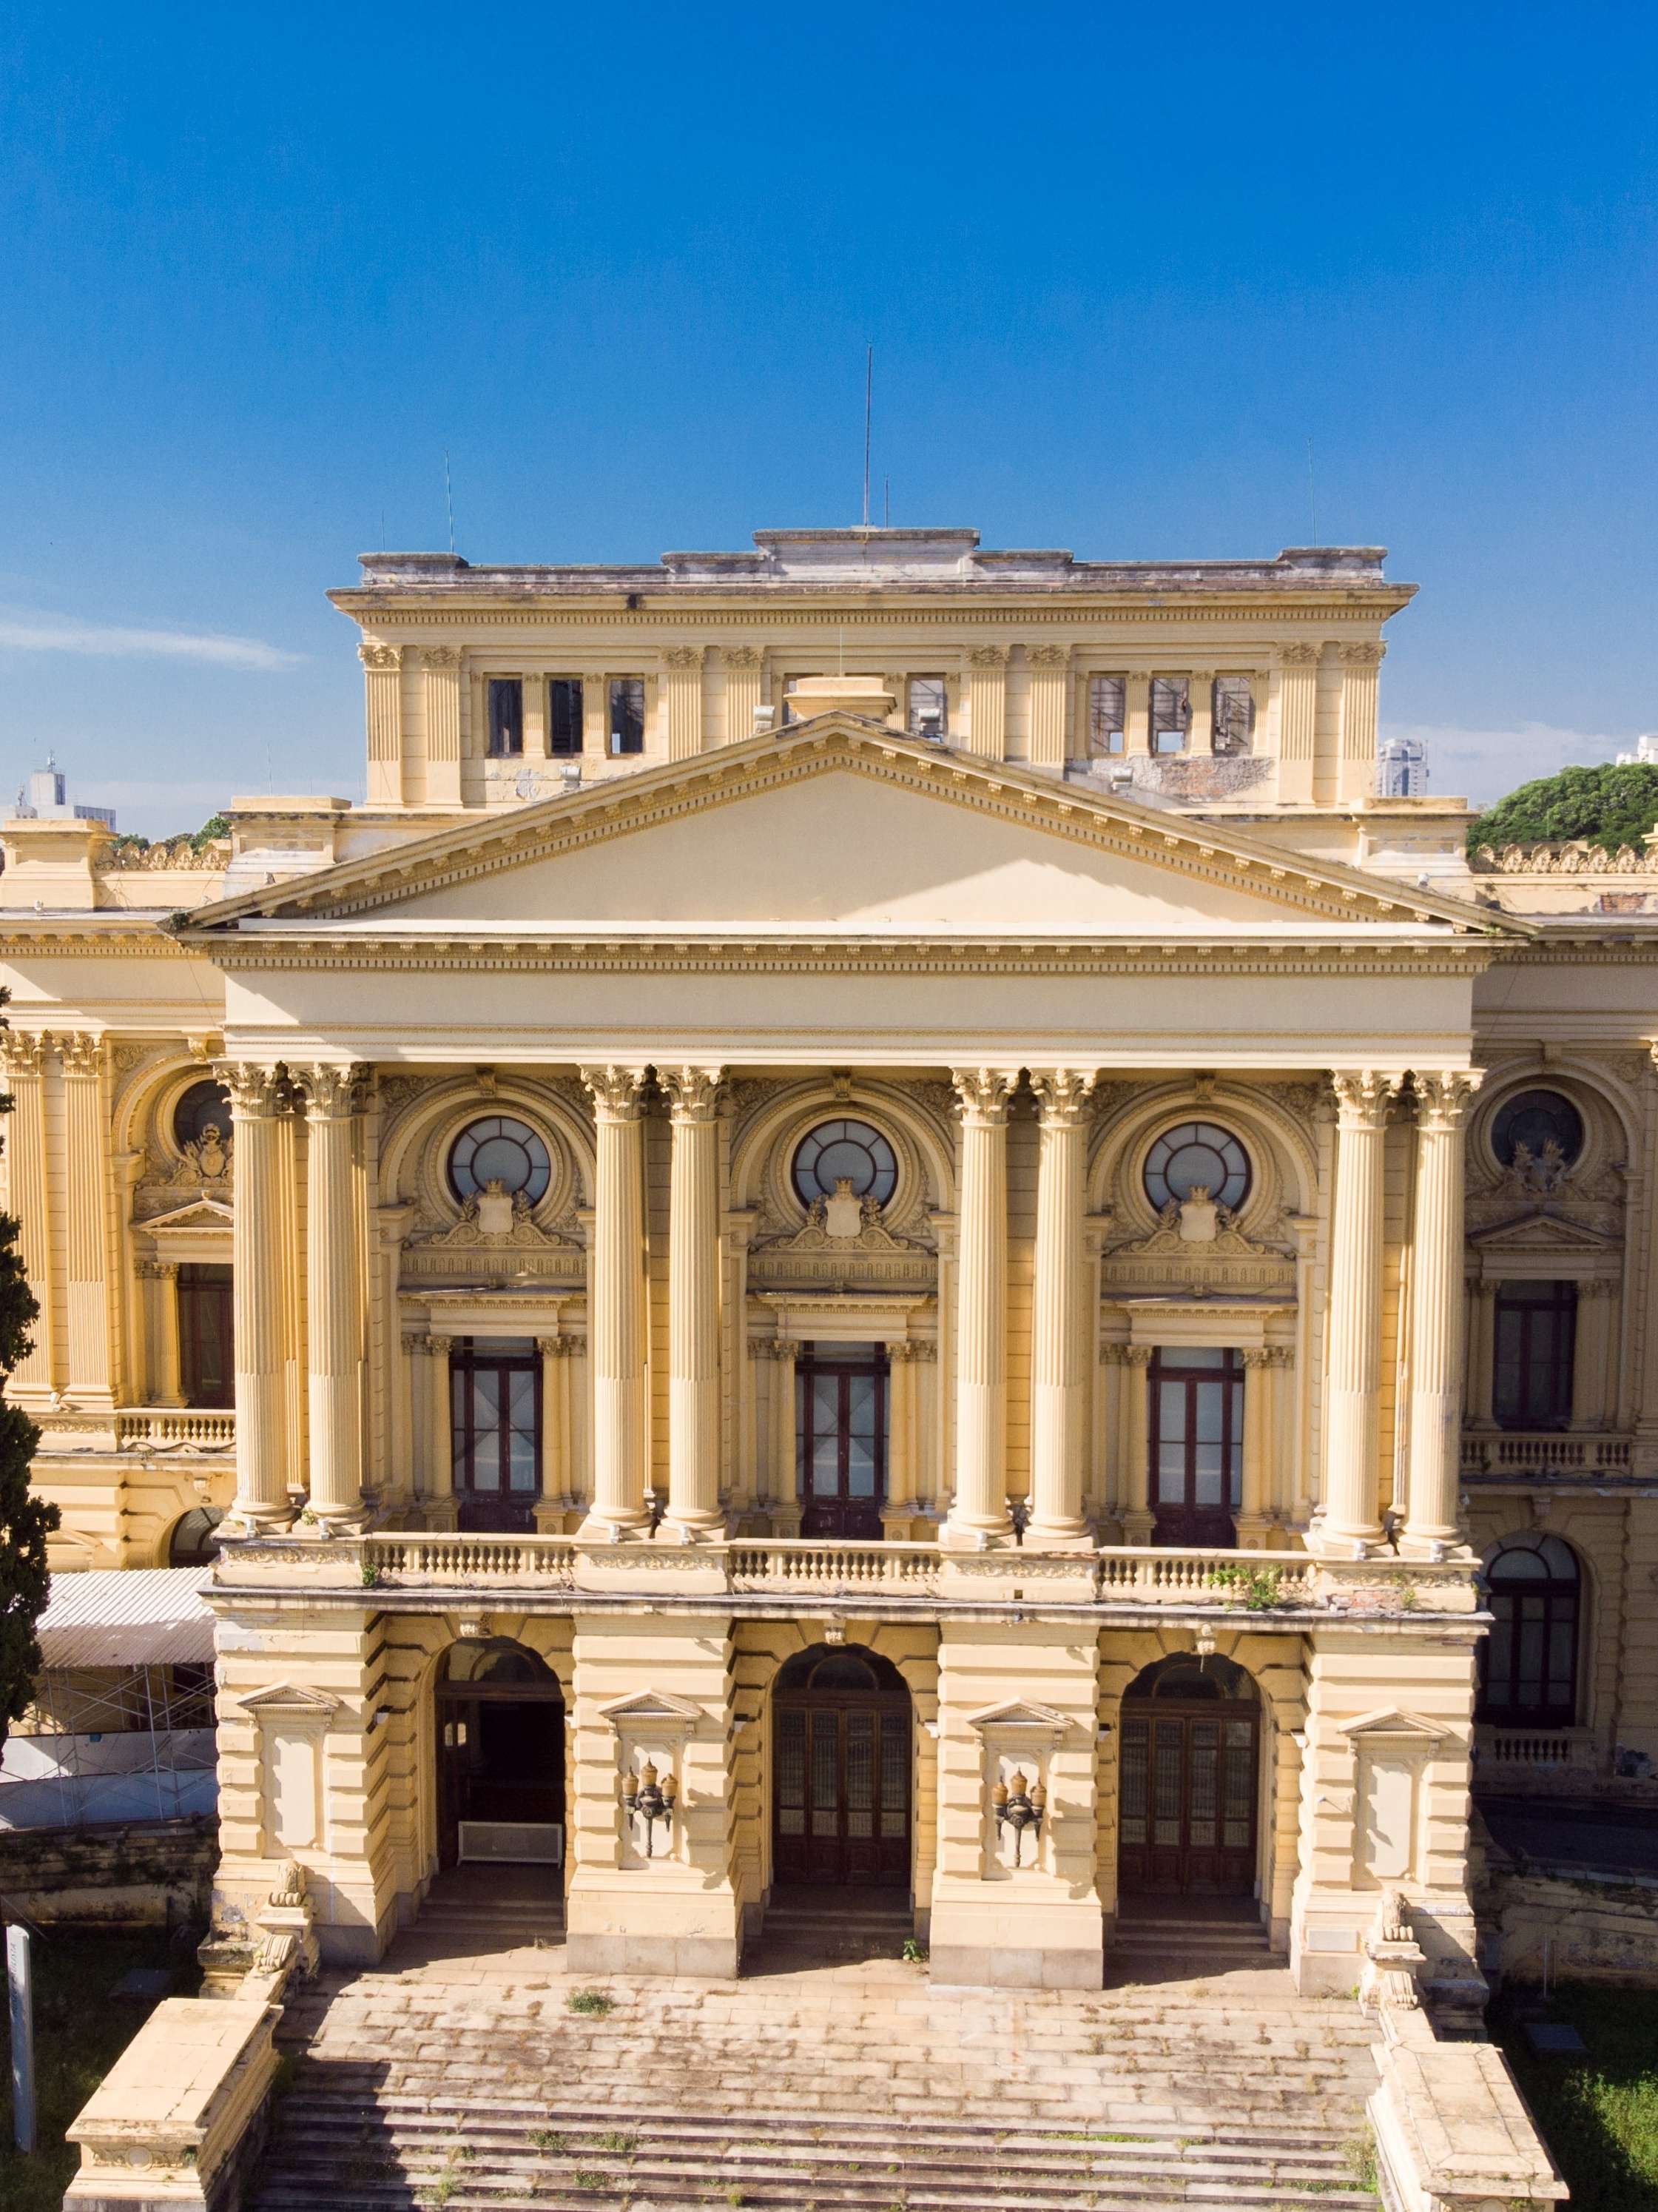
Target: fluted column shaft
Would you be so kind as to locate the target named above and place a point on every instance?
(1436, 1307)
(1352, 1512)
(616, 1326)
(85, 1214)
(694, 1300)
(25, 1164)
(1058, 1369)
(980, 1512)
(1137, 1514)
(167, 1381)
(333, 1295)
(258, 1104)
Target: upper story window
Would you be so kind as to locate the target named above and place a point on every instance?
(1528, 1663)
(1108, 715)
(497, 1148)
(1197, 1156)
(1538, 1119)
(506, 716)
(627, 713)
(1234, 701)
(1171, 713)
(929, 706)
(1536, 1326)
(204, 1106)
(845, 1151)
(564, 713)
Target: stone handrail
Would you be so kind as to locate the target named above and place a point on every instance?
(541, 1562)
(1546, 1451)
(171, 1426)
(785, 1563)
(1185, 1577)
(1576, 856)
(1546, 1747)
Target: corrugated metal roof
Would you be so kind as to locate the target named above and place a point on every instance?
(128, 1617)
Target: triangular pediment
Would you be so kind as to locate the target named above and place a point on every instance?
(1023, 1714)
(1395, 1721)
(652, 1708)
(200, 1213)
(1539, 1232)
(841, 826)
(287, 1701)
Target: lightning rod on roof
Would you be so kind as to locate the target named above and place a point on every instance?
(869, 396)
(449, 495)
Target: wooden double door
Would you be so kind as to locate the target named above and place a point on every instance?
(840, 1795)
(1187, 1799)
(840, 1439)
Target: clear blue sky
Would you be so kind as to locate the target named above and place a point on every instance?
(258, 267)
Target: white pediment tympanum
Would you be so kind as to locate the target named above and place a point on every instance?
(288, 1701)
(649, 1708)
(1394, 1721)
(1539, 1233)
(201, 1213)
(1022, 1715)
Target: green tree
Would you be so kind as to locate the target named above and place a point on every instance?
(1605, 805)
(26, 1521)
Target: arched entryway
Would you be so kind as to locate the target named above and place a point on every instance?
(499, 1714)
(843, 1730)
(1188, 1795)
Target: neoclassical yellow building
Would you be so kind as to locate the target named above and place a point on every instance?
(832, 1245)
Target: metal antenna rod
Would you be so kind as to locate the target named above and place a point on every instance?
(449, 494)
(869, 396)
(888, 524)
(1312, 487)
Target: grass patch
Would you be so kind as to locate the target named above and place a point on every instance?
(78, 2036)
(619, 2145)
(1599, 2115)
(547, 2139)
(914, 1951)
(592, 2002)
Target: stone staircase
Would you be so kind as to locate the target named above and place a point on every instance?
(851, 2087)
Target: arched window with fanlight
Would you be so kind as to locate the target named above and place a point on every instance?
(1528, 1663)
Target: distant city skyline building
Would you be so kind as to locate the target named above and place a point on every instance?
(1401, 769)
(47, 800)
(1645, 753)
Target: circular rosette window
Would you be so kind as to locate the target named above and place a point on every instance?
(498, 1149)
(845, 1151)
(1197, 1156)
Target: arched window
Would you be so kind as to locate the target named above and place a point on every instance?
(1197, 1155)
(498, 1149)
(1528, 1663)
(203, 1104)
(845, 1151)
(194, 1540)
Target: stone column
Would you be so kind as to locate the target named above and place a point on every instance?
(1482, 1353)
(383, 689)
(694, 1302)
(988, 694)
(902, 1455)
(1589, 1366)
(616, 1335)
(1352, 1513)
(25, 1162)
(166, 1383)
(1059, 1365)
(86, 1149)
(683, 700)
(1438, 1248)
(333, 1295)
(1137, 1514)
(1254, 1518)
(258, 1104)
(786, 1500)
(1047, 701)
(978, 1515)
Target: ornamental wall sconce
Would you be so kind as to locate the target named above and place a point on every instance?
(651, 1799)
(1019, 1804)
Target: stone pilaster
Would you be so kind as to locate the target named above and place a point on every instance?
(1481, 1354)
(1254, 1518)
(1361, 669)
(978, 1515)
(1589, 1349)
(903, 1454)
(160, 1279)
(682, 684)
(1442, 1107)
(1297, 722)
(616, 1329)
(1352, 1512)
(744, 674)
(442, 679)
(694, 1301)
(25, 1162)
(334, 1295)
(258, 1104)
(1059, 1369)
(86, 1151)
(1136, 1491)
(1048, 665)
(382, 667)
(988, 697)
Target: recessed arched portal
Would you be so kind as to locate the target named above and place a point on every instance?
(840, 1770)
(1191, 1747)
(499, 1714)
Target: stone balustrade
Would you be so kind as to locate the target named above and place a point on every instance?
(198, 1429)
(1193, 1579)
(1551, 1750)
(1545, 1452)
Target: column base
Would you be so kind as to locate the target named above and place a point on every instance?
(599, 1528)
(1434, 1549)
(619, 1925)
(1255, 1532)
(1067, 1536)
(705, 1529)
(969, 1536)
(1326, 1543)
(1137, 1527)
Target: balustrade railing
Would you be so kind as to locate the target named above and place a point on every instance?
(537, 1562)
(169, 1425)
(1510, 1451)
(909, 1569)
(1190, 1577)
(1560, 1748)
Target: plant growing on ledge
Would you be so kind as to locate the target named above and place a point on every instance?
(24, 1520)
(1258, 1589)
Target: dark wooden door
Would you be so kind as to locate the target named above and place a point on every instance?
(496, 1406)
(500, 1757)
(1186, 1805)
(1196, 1413)
(206, 1334)
(841, 1432)
(840, 1791)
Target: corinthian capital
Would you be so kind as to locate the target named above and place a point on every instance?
(1365, 1095)
(1443, 1098)
(258, 1089)
(374, 653)
(984, 1093)
(23, 1051)
(1062, 1094)
(616, 1091)
(331, 1092)
(988, 656)
(82, 1053)
(693, 1092)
